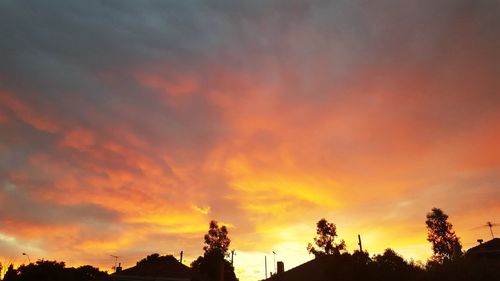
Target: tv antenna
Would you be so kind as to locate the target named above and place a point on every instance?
(232, 256)
(490, 225)
(116, 261)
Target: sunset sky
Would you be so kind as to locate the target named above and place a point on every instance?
(126, 126)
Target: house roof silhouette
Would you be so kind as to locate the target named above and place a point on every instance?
(313, 270)
(163, 269)
(489, 249)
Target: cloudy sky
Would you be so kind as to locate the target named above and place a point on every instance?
(125, 126)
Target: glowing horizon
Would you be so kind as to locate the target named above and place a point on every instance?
(126, 127)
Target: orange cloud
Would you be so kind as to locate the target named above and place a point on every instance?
(78, 139)
(28, 114)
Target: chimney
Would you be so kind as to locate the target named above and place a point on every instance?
(182, 253)
(119, 268)
(281, 267)
(480, 241)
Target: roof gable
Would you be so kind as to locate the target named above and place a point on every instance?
(313, 270)
(165, 268)
(492, 245)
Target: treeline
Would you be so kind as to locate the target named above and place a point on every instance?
(390, 266)
(44, 270)
(448, 262)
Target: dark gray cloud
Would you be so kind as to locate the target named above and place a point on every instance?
(20, 208)
(60, 48)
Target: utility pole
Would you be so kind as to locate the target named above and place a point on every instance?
(274, 256)
(232, 257)
(265, 265)
(360, 245)
(182, 253)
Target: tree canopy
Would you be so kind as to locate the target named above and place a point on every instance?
(216, 249)
(156, 257)
(217, 240)
(325, 239)
(445, 243)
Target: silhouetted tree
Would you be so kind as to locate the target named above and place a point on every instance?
(43, 270)
(216, 240)
(390, 260)
(156, 257)
(88, 273)
(152, 257)
(391, 266)
(361, 257)
(326, 240)
(216, 249)
(445, 244)
(11, 274)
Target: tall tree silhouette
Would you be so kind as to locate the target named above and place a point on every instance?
(445, 244)
(216, 240)
(216, 249)
(325, 241)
